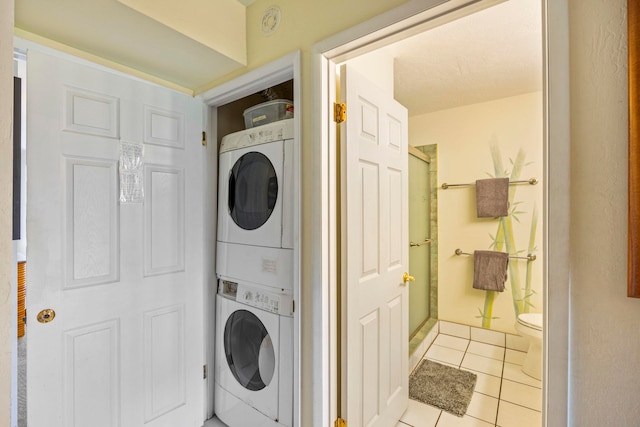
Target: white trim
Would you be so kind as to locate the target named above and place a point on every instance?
(210, 230)
(397, 24)
(322, 244)
(555, 391)
(271, 74)
(417, 16)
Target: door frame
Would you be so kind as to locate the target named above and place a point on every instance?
(397, 24)
(285, 68)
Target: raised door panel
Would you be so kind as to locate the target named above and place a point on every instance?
(395, 212)
(164, 354)
(394, 349)
(370, 238)
(164, 220)
(370, 369)
(91, 113)
(162, 127)
(92, 375)
(92, 222)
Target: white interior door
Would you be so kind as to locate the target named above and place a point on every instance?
(375, 254)
(125, 279)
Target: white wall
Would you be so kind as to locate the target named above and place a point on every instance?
(6, 176)
(605, 337)
(464, 136)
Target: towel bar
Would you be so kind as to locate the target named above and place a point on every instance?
(529, 257)
(531, 181)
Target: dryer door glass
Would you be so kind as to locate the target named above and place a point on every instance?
(253, 190)
(249, 350)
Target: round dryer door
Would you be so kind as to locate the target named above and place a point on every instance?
(249, 350)
(253, 190)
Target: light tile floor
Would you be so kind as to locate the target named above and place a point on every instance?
(504, 396)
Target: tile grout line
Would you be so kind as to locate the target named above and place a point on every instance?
(438, 420)
(521, 383)
(500, 391)
(523, 406)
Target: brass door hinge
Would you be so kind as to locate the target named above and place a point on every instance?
(339, 112)
(204, 372)
(340, 423)
(204, 139)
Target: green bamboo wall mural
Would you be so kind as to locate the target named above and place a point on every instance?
(528, 290)
(504, 240)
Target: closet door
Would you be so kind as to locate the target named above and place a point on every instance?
(115, 329)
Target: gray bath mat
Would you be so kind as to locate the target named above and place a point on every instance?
(447, 388)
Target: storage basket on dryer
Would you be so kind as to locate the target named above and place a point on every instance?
(268, 112)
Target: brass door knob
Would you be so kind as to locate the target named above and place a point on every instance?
(407, 278)
(46, 315)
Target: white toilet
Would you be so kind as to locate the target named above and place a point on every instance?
(529, 325)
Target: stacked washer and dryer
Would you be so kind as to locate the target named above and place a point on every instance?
(254, 304)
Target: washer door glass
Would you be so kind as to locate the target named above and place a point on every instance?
(249, 350)
(253, 190)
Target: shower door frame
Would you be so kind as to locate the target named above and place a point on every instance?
(430, 242)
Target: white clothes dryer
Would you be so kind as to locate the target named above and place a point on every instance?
(254, 356)
(255, 206)
(255, 185)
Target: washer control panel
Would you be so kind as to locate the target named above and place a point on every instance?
(259, 299)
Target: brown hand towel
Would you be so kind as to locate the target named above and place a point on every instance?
(490, 270)
(492, 197)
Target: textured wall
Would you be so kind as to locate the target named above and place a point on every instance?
(605, 337)
(6, 167)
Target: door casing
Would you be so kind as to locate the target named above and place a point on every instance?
(394, 25)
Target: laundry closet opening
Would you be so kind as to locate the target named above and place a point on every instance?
(253, 248)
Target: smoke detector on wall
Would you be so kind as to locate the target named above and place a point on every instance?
(270, 20)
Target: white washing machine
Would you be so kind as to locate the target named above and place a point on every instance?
(254, 356)
(255, 206)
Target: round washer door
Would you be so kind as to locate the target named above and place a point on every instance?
(249, 350)
(253, 190)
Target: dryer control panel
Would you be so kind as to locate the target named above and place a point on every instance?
(276, 131)
(278, 303)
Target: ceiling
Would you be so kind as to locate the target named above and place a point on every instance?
(110, 30)
(491, 54)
